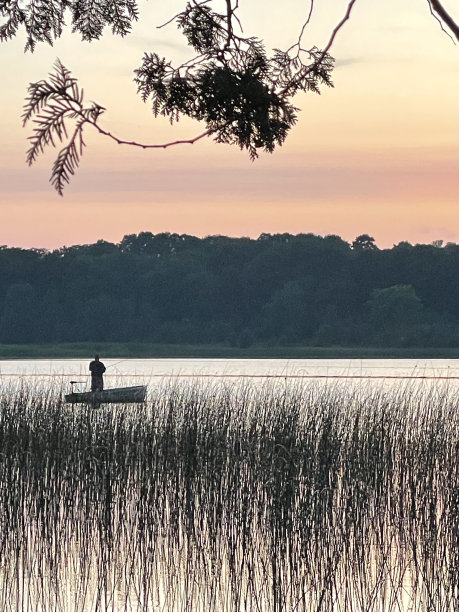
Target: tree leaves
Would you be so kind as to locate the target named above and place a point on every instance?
(241, 94)
(55, 89)
(49, 105)
(203, 28)
(67, 161)
(43, 20)
(232, 85)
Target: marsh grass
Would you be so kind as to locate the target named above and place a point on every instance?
(255, 497)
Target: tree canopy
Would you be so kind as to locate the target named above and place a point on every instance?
(276, 290)
(241, 93)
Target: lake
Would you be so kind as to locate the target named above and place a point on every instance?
(151, 369)
(240, 486)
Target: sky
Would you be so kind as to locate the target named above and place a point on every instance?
(377, 154)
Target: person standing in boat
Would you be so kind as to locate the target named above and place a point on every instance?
(97, 370)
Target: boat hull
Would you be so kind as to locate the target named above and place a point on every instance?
(122, 395)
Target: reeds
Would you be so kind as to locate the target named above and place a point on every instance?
(275, 497)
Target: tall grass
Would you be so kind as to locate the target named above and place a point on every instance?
(276, 497)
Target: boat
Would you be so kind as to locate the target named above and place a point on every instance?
(121, 395)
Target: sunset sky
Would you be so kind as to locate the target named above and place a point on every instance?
(377, 154)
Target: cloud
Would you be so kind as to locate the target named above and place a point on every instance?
(151, 43)
(349, 61)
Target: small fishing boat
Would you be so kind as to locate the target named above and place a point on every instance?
(121, 395)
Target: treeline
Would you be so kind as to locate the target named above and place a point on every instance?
(277, 289)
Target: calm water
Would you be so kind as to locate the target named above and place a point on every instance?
(149, 369)
(343, 373)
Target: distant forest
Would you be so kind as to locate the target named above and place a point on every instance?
(276, 290)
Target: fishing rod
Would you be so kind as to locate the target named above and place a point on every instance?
(83, 382)
(116, 363)
(280, 376)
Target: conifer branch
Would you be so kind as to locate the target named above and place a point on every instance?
(49, 105)
(141, 145)
(241, 94)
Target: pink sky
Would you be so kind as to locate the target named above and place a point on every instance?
(377, 154)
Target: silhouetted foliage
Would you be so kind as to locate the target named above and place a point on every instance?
(397, 313)
(44, 21)
(364, 242)
(242, 94)
(278, 289)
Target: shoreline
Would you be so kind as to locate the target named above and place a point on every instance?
(138, 350)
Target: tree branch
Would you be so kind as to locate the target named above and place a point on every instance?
(229, 14)
(133, 143)
(444, 16)
(303, 28)
(329, 44)
(339, 26)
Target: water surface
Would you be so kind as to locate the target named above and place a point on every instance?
(145, 369)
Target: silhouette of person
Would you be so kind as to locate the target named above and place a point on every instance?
(97, 370)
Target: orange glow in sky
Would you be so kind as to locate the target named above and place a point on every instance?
(377, 154)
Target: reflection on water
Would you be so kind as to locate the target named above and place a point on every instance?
(225, 494)
(154, 369)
